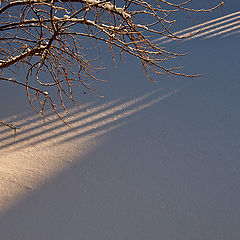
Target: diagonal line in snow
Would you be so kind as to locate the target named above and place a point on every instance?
(24, 119)
(37, 132)
(25, 167)
(214, 30)
(200, 27)
(124, 114)
(223, 32)
(231, 33)
(34, 124)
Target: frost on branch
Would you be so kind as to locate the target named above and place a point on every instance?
(51, 39)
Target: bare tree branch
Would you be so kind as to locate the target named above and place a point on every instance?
(52, 39)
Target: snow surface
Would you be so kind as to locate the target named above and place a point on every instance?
(147, 162)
